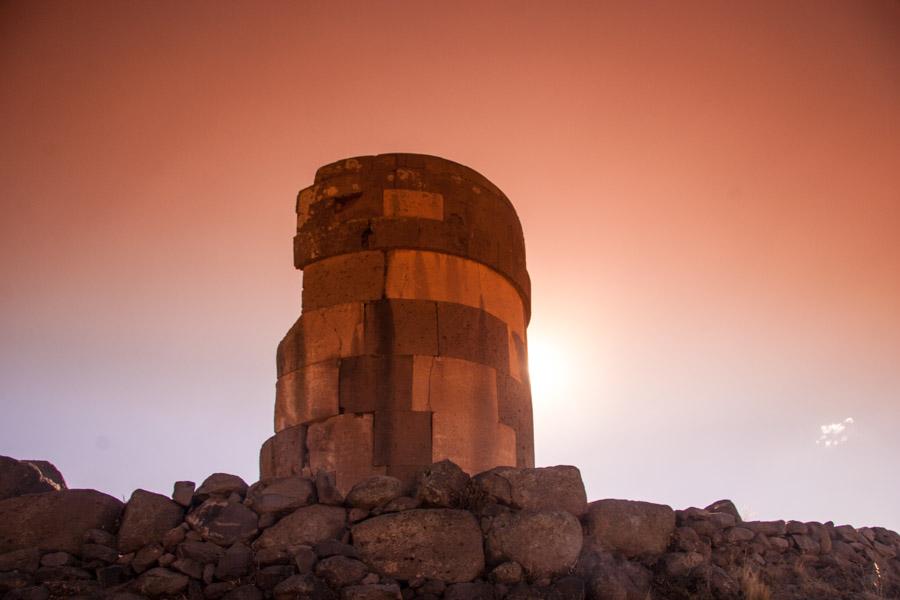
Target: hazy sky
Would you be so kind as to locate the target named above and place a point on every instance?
(710, 194)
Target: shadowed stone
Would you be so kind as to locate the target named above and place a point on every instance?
(308, 526)
(629, 527)
(146, 519)
(544, 543)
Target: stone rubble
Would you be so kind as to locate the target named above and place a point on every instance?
(506, 534)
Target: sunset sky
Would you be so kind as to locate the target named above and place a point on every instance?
(710, 194)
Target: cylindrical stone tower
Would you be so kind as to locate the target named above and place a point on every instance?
(411, 344)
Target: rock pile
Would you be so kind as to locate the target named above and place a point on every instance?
(508, 533)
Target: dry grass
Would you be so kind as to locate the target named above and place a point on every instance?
(752, 587)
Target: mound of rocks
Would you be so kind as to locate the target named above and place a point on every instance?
(508, 533)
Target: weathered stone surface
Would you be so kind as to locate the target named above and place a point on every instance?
(439, 544)
(357, 277)
(203, 552)
(244, 592)
(507, 573)
(55, 520)
(283, 454)
(22, 477)
(221, 485)
(530, 489)
(629, 527)
(514, 409)
(26, 560)
(545, 543)
(370, 383)
(183, 492)
(280, 495)
(326, 489)
(323, 334)
(234, 563)
(371, 592)
(161, 582)
(146, 519)
(97, 552)
(374, 491)
(477, 590)
(343, 445)
(297, 586)
(308, 525)
(146, 557)
(307, 394)
(442, 484)
(223, 522)
(472, 334)
(402, 439)
(725, 506)
(266, 578)
(339, 571)
(401, 327)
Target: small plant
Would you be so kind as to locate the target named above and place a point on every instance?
(752, 587)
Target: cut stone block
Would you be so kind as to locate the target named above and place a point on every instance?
(401, 327)
(323, 334)
(472, 334)
(505, 451)
(465, 419)
(370, 383)
(357, 277)
(283, 454)
(402, 438)
(307, 394)
(514, 409)
(411, 203)
(343, 445)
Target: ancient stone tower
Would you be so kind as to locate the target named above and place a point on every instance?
(411, 344)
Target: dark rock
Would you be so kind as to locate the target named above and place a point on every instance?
(374, 491)
(544, 543)
(55, 520)
(21, 477)
(628, 527)
(400, 504)
(269, 577)
(161, 582)
(35, 592)
(45, 574)
(339, 571)
(244, 592)
(679, 564)
(326, 489)
(305, 559)
(173, 537)
(146, 557)
(328, 548)
(166, 559)
(528, 489)
(57, 559)
(796, 527)
(442, 485)
(567, 588)
(221, 485)
(113, 575)
(469, 591)
(308, 526)
(371, 592)
(13, 580)
(26, 559)
(202, 552)
(296, 586)
(766, 527)
(223, 522)
(508, 573)
(279, 496)
(725, 506)
(183, 492)
(101, 537)
(91, 552)
(189, 567)
(234, 563)
(214, 591)
(440, 544)
(610, 577)
(355, 515)
(738, 534)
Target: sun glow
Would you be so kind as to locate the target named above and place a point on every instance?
(549, 369)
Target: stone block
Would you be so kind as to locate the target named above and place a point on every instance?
(505, 451)
(411, 203)
(463, 398)
(631, 528)
(472, 334)
(322, 334)
(343, 445)
(370, 383)
(283, 454)
(308, 394)
(401, 327)
(514, 409)
(357, 277)
(402, 438)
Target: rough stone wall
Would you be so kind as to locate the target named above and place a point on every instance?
(411, 346)
(505, 534)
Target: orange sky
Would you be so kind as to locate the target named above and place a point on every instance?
(710, 195)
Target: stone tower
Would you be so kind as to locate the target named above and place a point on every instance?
(411, 344)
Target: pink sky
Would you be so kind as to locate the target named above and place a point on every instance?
(710, 194)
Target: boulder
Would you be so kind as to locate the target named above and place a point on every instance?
(221, 485)
(297, 586)
(340, 571)
(223, 522)
(469, 591)
(202, 552)
(374, 491)
(244, 592)
(371, 592)
(183, 492)
(546, 488)
(55, 520)
(307, 526)
(279, 496)
(544, 543)
(441, 485)
(631, 528)
(146, 519)
(442, 544)
(19, 477)
(161, 582)
(725, 506)
(26, 560)
(234, 563)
